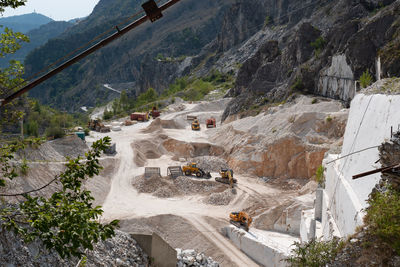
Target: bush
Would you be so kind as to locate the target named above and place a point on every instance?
(318, 45)
(383, 217)
(365, 79)
(314, 253)
(319, 175)
(24, 167)
(55, 132)
(328, 119)
(86, 131)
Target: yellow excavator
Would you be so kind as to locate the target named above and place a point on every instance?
(226, 177)
(241, 219)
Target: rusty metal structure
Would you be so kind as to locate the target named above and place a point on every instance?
(153, 13)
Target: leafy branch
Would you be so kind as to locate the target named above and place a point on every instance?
(67, 221)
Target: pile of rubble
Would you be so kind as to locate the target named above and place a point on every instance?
(220, 199)
(121, 250)
(190, 257)
(164, 187)
(188, 186)
(210, 163)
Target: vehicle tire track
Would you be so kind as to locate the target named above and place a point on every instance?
(230, 250)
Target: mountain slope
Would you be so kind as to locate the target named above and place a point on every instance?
(37, 37)
(183, 31)
(276, 48)
(25, 23)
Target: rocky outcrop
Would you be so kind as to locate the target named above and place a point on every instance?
(288, 141)
(323, 53)
(121, 250)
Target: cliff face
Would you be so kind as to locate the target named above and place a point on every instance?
(324, 51)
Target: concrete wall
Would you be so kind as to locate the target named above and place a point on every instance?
(266, 251)
(159, 251)
(370, 119)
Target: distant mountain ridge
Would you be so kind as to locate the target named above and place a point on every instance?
(37, 37)
(25, 23)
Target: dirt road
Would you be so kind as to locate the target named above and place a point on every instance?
(123, 201)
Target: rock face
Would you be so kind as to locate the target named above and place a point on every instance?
(122, 250)
(389, 153)
(323, 52)
(285, 141)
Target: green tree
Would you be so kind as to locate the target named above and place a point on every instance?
(365, 79)
(66, 221)
(124, 101)
(32, 129)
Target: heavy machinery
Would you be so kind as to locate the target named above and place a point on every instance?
(211, 123)
(155, 113)
(241, 219)
(193, 169)
(96, 125)
(226, 177)
(196, 125)
(138, 116)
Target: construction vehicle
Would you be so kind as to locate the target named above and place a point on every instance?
(241, 219)
(137, 116)
(191, 117)
(196, 125)
(96, 125)
(192, 168)
(226, 177)
(155, 113)
(211, 123)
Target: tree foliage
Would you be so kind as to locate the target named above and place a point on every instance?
(66, 221)
(314, 253)
(383, 217)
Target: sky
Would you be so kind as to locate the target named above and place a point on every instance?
(55, 9)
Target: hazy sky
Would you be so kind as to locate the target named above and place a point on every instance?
(55, 9)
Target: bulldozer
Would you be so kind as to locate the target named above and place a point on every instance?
(241, 219)
(96, 125)
(192, 168)
(226, 177)
(196, 125)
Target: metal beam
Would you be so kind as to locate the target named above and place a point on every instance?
(84, 54)
(384, 169)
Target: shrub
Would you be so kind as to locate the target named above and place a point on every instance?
(383, 217)
(314, 101)
(55, 132)
(24, 167)
(319, 175)
(297, 85)
(314, 253)
(86, 131)
(365, 79)
(318, 45)
(328, 119)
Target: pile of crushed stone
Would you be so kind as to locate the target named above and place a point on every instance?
(56, 150)
(165, 187)
(220, 199)
(158, 125)
(121, 250)
(190, 257)
(210, 163)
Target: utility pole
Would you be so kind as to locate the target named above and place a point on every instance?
(22, 127)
